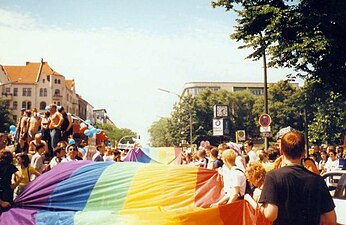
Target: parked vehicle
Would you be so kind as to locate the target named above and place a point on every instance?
(336, 182)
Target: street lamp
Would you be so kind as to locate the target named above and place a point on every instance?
(190, 115)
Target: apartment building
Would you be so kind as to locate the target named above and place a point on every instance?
(36, 85)
(194, 88)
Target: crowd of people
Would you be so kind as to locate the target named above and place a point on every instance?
(43, 142)
(282, 168)
(40, 143)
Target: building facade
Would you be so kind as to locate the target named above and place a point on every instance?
(36, 85)
(102, 117)
(256, 88)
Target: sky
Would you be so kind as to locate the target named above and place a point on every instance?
(121, 52)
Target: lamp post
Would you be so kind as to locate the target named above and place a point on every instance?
(190, 115)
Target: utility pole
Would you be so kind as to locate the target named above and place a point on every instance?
(265, 92)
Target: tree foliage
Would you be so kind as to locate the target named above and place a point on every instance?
(201, 110)
(307, 35)
(6, 118)
(114, 133)
(325, 109)
(283, 107)
(159, 133)
(326, 113)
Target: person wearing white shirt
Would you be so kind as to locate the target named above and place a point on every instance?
(234, 180)
(72, 151)
(332, 162)
(37, 159)
(248, 146)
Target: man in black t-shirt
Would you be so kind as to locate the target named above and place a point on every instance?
(293, 194)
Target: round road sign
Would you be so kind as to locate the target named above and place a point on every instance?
(265, 120)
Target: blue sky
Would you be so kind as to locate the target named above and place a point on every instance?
(120, 52)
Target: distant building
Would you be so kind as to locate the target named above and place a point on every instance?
(102, 117)
(36, 85)
(256, 88)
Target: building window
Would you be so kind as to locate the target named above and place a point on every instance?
(8, 105)
(58, 81)
(45, 92)
(26, 105)
(15, 117)
(55, 81)
(15, 91)
(15, 105)
(41, 92)
(43, 80)
(8, 90)
(48, 78)
(57, 92)
(27, 92)
(43, 105)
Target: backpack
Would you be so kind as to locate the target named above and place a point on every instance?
(248, 189)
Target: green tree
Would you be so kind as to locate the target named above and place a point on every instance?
(282, 107)
(179, 122)
(6, 118)
(159, 133)
(114, 133)
(326, 113)
(305, 35)
(201, 110)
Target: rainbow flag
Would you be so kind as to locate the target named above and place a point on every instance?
(102, 193)
(165, 155)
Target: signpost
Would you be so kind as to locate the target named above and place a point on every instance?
(265, 120)
(218, 127)
(240, 135)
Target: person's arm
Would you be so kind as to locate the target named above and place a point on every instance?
(4, 204)
(34, 171)
(69, 118)
(17, 178)
(251, 201)
(269, 211)
(222, 201)
(234, 194)
(328, 218)
(32, 148)
(61, 120)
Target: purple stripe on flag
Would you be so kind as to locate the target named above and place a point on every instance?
(36, 198)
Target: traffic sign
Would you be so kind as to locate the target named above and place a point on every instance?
(240, 135)
(265, 120)
(265, 129)
(217, 127)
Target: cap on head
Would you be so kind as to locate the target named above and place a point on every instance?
(284, 131)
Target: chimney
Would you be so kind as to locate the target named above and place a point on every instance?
(41, 60)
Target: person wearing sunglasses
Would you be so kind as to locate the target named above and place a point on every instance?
(72, 151)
